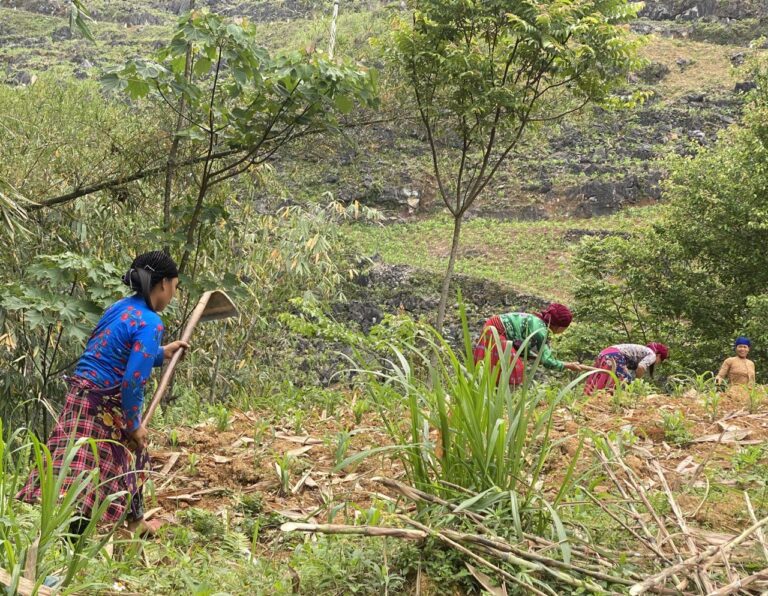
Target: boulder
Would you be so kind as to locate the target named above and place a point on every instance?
(22, 78)
(62, 34)
(603, 197)
(653, 73)
(692, 14)
(745, 87)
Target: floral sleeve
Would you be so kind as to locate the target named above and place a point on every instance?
(144, 353)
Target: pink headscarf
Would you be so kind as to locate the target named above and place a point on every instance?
(557, 315)
(661, 350)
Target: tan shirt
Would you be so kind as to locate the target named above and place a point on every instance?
(738, 371)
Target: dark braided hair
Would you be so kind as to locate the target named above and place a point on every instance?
(148, 270)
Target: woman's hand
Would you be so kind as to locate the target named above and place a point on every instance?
(574, 366)
(640, 373)
(170, 349)
(140, 437)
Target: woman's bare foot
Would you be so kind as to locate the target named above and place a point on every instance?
(145, 528)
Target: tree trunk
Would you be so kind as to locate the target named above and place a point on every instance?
(170, 172)
(449, 272)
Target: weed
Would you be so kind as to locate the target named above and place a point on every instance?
(755, 395)
(748, 458)
(173, 438)
(203, 522)
(221, 416)
(712, 400)
(252, 504)
(192, 461)
(283, 467)
(342, 446)
(331, 565)
(676, 428)
(359, 409)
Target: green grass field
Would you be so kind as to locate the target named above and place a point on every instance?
(533, 257)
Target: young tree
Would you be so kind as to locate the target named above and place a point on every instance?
(481, 72)
(239, 105)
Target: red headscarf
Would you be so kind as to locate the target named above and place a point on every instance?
(556, 315)
(661, 350)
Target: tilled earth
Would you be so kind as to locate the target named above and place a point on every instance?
(214, 469)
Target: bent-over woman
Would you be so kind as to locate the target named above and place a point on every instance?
(515, 328)
(628, 362)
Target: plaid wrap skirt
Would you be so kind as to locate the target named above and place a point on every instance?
(92, 412)
(613, 360)
(498, 347)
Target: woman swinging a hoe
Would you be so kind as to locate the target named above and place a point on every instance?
(106, 394)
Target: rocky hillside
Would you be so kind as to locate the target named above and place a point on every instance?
(592, 166)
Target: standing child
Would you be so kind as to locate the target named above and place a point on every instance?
(738, 369)
(106, 394)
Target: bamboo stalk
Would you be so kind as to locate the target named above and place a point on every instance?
(704, 558)
(700, 468)
(702, 577)
(560, 576)
(740, 583)
(417, 495)
(504, 547)
(498, 549)
(616, 518)
(652, 542)
(402, 533)
(622, 490)
(448, 537)
(759, 532)
(641, 492)
(505, 574)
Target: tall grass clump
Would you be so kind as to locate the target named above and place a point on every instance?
(38, 542)
(454, 427)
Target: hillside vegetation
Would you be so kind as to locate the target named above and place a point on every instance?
(330, 440)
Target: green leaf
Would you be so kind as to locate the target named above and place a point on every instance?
(343, 103)
(240, 75)
(137, 88)
(202, 66)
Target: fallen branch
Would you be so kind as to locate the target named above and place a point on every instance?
(759, 532)
(403, 533)
(504, 547)
(197, 495)
(505, 574)
(647, 544)
(501, 550)
(694, 550)
(741, 583)
(704, 558)
(415, 494)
